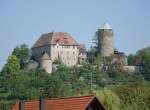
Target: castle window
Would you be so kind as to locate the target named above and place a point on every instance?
(67, 46)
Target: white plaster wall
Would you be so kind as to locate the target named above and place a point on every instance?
(67, 54)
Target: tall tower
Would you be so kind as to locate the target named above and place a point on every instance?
(105, 40)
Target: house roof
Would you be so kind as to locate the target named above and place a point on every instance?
(82, 48)
(61, 38)
(72, 103)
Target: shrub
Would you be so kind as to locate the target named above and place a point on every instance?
(134, 96)
(110, 100)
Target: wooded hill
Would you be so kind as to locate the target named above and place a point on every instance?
(118, 89)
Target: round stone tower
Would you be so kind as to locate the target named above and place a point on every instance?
(46, 63)
(105, 40)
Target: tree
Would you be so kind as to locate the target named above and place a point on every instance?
(22, 52)
(98, 60)
(110, 100)
(130, 59)
(144, 55)
(57, 61)
(5, 105)
(141, 59)
(135, 96)
(54, 87)
(12, 65)
(95, 42)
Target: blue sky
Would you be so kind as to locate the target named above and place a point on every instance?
(23, 21)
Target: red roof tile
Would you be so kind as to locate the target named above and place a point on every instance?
(73, 103)
(61, 38)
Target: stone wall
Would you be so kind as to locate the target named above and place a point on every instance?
(106, 43)
(38, 51)
(47, 65)
(129, 68)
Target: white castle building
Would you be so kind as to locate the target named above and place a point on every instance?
(56, 46)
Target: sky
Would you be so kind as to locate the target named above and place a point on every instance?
(23, 21)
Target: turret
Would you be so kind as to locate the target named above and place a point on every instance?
(46, 63)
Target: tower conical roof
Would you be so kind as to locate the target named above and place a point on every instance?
(45, 56)
(106, 26)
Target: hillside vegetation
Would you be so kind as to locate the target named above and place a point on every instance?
(116, 89)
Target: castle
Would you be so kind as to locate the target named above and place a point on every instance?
(54, 46)
(108, 52)
(63, 48)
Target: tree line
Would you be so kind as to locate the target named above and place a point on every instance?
(130, 90)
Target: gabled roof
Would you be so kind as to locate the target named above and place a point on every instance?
(61, 38)
(106, 26)
(72, 103)
(45, 39)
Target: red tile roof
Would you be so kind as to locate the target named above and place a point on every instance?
(30, 105)
(73, 103)
(61, 38)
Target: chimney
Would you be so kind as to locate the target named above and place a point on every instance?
(21, 105)
(42, 103)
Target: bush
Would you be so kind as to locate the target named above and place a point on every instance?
(134, 96)
(110, 100)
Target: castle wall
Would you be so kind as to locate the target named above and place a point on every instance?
(38, 51)
(68, 54)
(47, 65)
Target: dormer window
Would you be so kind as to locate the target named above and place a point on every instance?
(66, 42)
(57, 40)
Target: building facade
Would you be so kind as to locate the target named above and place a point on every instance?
(82, 53)
(58, 46)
